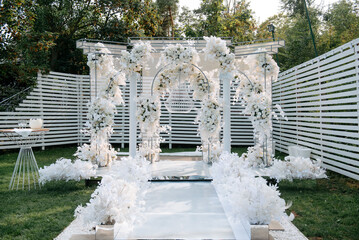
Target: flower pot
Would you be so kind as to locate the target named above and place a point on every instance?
(259, 232)
(105, 232)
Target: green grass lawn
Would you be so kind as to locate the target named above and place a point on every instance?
(38, 214)
(324, 209)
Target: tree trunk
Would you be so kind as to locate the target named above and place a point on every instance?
(54, 56)
(171, 17)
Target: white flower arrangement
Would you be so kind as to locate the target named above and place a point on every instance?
(103, 109)
(254, 156)
(113, 92)
(246, 194)
(101, 62)
(119, 198)
(202, 87)
(65, 169)
(258, 108)
(148, 114)
(199, 86)
(133, 170)
(164, 82)
(178, 55)
(217, 49)
(132, 62)
(296, 168)
(246, 88)
(209, 127)
(101, 118)
(256, 66)
(237, 183)
(101, 114)
(257, 102)
(98, 152)
(209, 119)
(115, 200)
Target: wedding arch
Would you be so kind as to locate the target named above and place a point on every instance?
(252, 61)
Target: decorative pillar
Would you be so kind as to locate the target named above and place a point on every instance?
(226, 115)
(133, 121)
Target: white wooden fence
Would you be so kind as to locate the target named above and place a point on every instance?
(321, 100)
(183, 127)
(61, 100)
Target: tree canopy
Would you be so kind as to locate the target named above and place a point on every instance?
(41, 34)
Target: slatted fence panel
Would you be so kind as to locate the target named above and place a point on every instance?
(61, 101)
(184, 129)
(321, 100)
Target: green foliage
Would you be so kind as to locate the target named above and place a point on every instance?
(42, 34)
(190, 23)
(341, 24)
(294, 7)
(239, 23)
(212, 10)
(338, 25)
(216, 18)
(168, 12)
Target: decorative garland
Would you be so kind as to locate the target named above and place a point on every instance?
(209, 127)
(245, 194)
(148, 116)
(216, 49)
(258, 102)
(179, 62)
(65, 169)
(102, 110)
(119, 198)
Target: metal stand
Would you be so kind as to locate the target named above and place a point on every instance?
(26, 171)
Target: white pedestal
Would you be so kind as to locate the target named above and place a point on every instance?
(299, 151)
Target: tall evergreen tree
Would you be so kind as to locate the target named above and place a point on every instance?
(168, 12)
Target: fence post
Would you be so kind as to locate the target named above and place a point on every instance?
(133, 120)
(79, 108)
(170, 131)
(355, 46)
(320, 110)
(296, 104)
(39, 84)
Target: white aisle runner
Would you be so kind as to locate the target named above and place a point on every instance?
(183, 210)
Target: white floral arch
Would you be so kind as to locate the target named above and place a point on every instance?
(257, 102)
(163, 84)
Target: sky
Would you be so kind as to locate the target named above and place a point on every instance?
(262, 8)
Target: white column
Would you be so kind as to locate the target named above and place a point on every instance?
(133, 121)
(226, 115)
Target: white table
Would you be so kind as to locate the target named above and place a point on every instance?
(26, 170)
